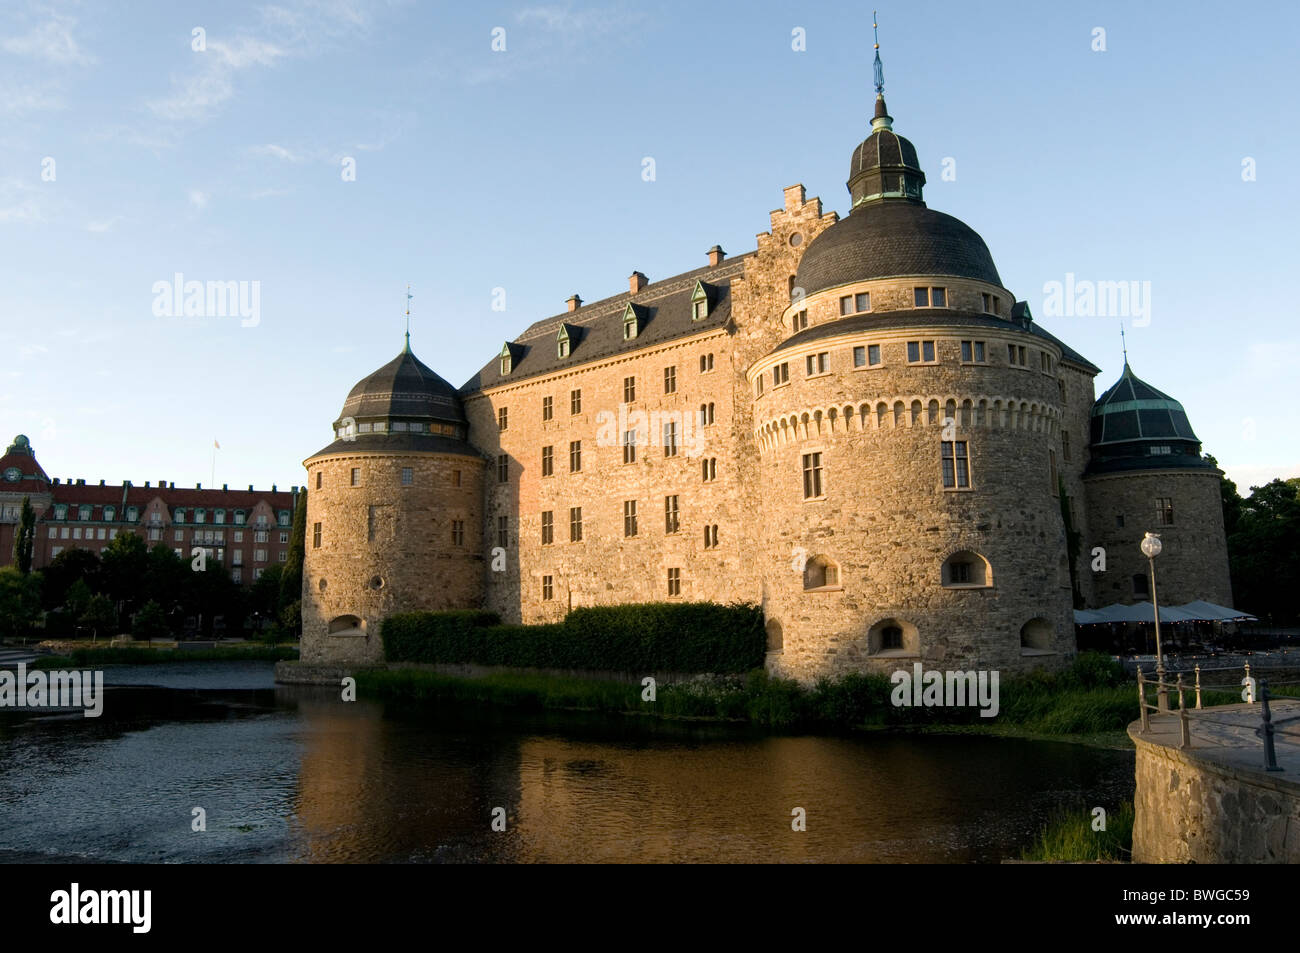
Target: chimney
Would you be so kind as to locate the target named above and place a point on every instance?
(636, 281)
(56, 481)
(272, 487)
(716, 254)
(101, 482)
(224, 488)
(250, 488)
(146, 484)
(198, 486)
(81, 483)
(171, 486)
(574, 303)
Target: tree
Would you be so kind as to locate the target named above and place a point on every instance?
(64, 570)
(1264, 552)
(20, 601)
(24, 536)
(99, 614)
(291, 574)
(124, 563)
(78, 598)
(150, 622)
(167, 578)
(264, 594)
(1232, 501)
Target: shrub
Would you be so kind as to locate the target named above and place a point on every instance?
(644, 637)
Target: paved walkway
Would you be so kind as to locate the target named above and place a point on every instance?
(9, 658)
(1229, 735)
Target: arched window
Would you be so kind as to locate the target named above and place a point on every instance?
(893, 638)
(916, 413)
(346, 625)
(821, 573)
(775, 637)
(966, 570)
(1036, 637)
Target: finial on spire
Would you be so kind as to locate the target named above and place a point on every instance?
(1123, 343)
(880, 69)
(408, 318)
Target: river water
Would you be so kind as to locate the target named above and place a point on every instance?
(294, 774)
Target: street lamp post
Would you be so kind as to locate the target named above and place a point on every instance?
(1151, 549)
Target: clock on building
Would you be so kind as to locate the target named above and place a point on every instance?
(13, 474)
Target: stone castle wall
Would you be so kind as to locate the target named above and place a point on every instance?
(386, 547)
(1193, 563)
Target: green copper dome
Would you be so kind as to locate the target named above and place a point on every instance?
(1136, 427)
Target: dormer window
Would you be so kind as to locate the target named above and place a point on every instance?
(630, 323)
(109, 513)
(699, 302)
(562, 347)
(507, 360)
(180, 516)
(199, 516)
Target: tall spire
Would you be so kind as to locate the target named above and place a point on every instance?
(407, 348)
(881, 119)
(1123, 343)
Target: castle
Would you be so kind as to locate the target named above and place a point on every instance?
(855, 425)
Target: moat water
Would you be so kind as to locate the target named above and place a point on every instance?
(293, 774)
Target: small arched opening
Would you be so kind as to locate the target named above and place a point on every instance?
(893, 638)
(775, 637)
(821, 573)
(347, 625)
(1036, 637)
(966, 570)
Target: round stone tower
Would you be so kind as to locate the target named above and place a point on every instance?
(909, 433)
(394, 513)
(1146, 474)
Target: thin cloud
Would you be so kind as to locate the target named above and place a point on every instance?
(19, 100)
(201, 93)
(277, 152)
(198, 198)
(99, 227)
(51, 41)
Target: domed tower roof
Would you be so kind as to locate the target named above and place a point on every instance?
(889, 232)
(404, 387)
(1136, 427)
(403, 406)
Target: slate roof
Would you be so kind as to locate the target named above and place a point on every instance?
(890, 239)
(927, 317)
(399, 443)
(666, 316)
(884, 147)
(404, 387)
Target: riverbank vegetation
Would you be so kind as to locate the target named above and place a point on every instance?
(1092, 697)
(1069, 837)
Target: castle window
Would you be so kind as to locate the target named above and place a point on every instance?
(1036, 637)
(548, 408)
(629, 517)
(781, 374)
(507, 360)
(1159, 451)
(800, 321)
(399, 426)
(548, 588)
(670, 439)
(503, 418)
(758, 386)
(700, 302)
(674, 582)
(706, 415)
(629, 389)
(920, 352)
(408, 476)
(1051, 471)
(575, 456)
(670, 380)
(956, 465)
(966, 570)
(548, 528)
(548, 461)
(503, 531)
(817, 363)
(455, 478)
(1065, 444)
(929, 297)
(503, 468)
(1164, 511)
(458, 532)
(629, 446)
(812, 476)
(1119, 521)
(711, 536)
(575, 524)
(1045, 362)
(706, 363)
(575, 402)
(855, 304)
(894, 638)
(1140, 586)
(709, 468)
(991, 303)
(973, 352)
(671, 521)
(859, 357)
(1016, 355)
(562, 342)
(820, 573)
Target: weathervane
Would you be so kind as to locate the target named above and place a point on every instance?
(408, 316)
(880, 69)
(1123, 343)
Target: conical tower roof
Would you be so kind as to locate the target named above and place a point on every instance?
(1137, 427)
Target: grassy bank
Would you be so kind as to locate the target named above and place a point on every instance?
(126, 655)
(1091, 701)
(1069, 837)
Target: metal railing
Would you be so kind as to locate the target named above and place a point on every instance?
(1268, 726)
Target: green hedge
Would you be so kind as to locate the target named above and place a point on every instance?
(643, 637)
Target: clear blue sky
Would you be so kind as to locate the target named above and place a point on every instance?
(521, 170)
